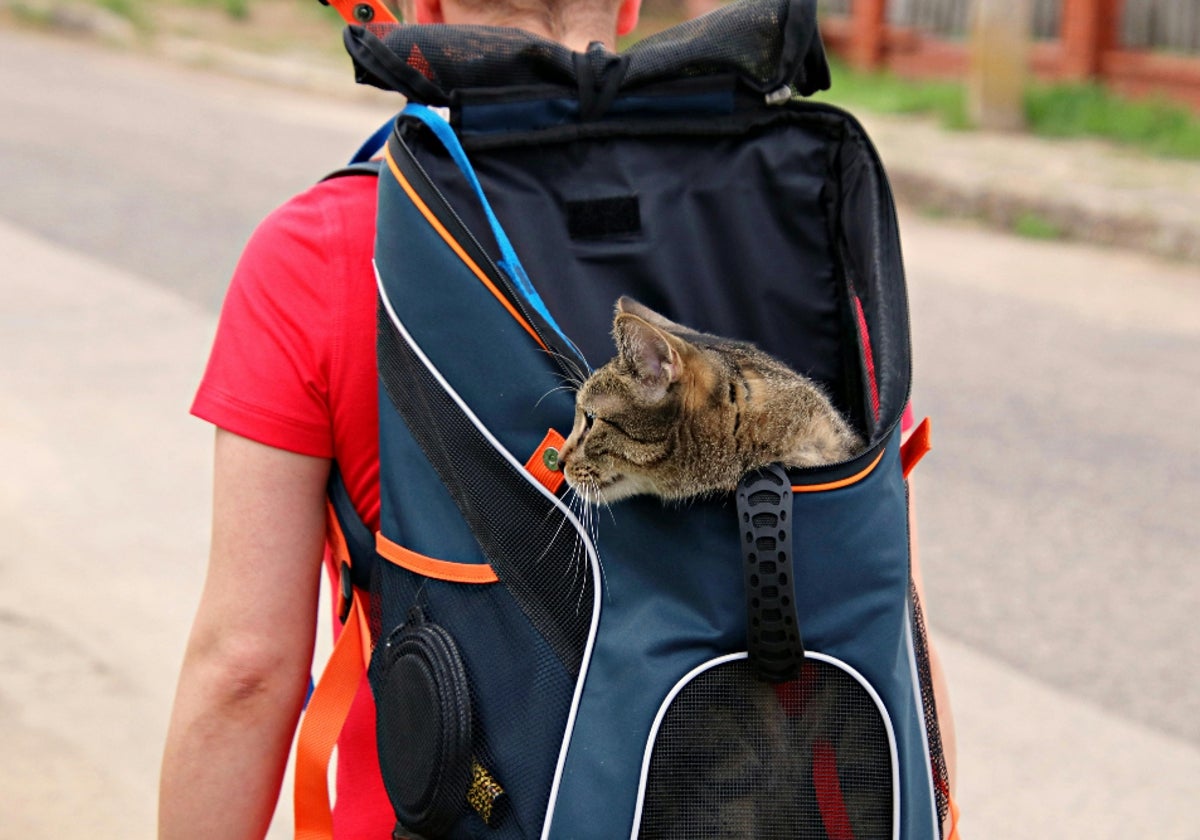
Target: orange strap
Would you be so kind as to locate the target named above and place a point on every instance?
(953, 835)
(359, 12)
(323, 721)
(328, 708)
(431, 567)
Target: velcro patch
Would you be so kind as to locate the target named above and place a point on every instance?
(603, 218)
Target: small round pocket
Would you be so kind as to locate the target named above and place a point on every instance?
(423, 725)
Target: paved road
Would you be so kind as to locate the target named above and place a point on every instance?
(1057, 510)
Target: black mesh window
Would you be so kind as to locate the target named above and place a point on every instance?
(738, 758)
(537, 557)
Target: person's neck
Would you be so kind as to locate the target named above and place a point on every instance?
(579, 42)
(576, 38)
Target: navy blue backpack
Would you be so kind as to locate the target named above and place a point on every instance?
(746, 666)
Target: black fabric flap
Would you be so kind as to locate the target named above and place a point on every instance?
(766, 43)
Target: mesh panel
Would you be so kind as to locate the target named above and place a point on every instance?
(519, 711)
(937, 757)
(766, 43)
(738, 758)
(536, 556)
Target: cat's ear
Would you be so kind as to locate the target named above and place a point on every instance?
(649, 352)
(629, 306)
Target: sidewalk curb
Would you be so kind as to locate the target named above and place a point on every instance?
(1066, 220)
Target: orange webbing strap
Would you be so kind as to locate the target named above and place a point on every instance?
(953, 835)
(543, 464)
(327, 709)
(916, 447)
(359, 12)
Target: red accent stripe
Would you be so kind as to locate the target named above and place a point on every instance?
(829, 792)
(868, 356)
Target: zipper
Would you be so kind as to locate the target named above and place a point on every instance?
(446, 213)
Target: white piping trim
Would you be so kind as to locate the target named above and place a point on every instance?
(920, 706)
(732, 657)
(566, 511)
(658, 719)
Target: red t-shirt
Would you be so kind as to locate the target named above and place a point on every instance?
(293, 366)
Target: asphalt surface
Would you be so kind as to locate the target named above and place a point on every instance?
(1058, 524)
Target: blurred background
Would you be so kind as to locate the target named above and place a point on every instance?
(1045, 155)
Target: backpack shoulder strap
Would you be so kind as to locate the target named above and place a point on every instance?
(362, 167)
(362, 161)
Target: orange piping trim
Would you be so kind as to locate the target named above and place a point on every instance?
(429, 567)
(834, 485)
(458, 249)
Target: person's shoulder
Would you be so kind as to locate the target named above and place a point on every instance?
(331, 219)
(343, 203)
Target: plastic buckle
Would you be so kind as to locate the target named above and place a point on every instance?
(345, 593)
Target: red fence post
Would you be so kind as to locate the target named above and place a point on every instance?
(1089, 29)
(868, 20)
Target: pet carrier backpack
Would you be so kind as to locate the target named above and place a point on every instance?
(747, 666)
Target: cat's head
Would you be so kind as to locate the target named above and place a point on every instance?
(647, 420)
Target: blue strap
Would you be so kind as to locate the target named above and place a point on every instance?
(373, 143)
(509, 262)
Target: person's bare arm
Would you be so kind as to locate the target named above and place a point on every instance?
(245, 672)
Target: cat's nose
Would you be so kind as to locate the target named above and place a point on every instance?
(564, 454)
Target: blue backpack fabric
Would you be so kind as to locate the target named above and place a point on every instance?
(741, 666)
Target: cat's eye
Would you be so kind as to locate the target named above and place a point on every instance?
(589, 417)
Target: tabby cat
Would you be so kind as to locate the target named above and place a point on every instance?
(680, 413)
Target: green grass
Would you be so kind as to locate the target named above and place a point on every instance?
(1156, 126)
(139, 11)
(889, 94)
(1035, 226)
(236, 9)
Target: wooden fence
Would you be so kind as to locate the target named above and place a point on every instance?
(1136, 47)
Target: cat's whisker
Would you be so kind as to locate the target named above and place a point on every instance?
(612, 516)
(577, 501)
(591, 523)
(576, 373)
(572, 387)
(561, 523)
